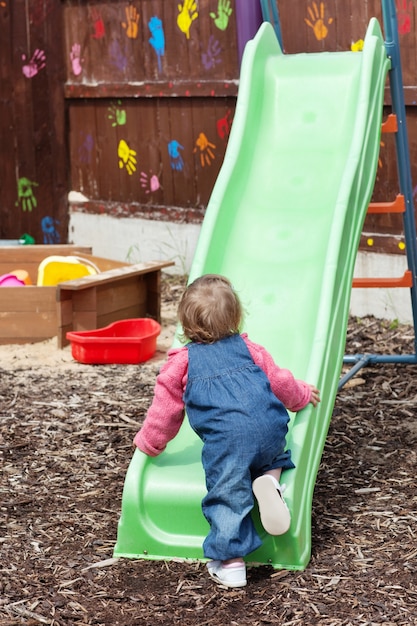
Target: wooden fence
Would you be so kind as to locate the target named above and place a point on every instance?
(130, 103)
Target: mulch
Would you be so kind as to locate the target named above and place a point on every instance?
(65, 443)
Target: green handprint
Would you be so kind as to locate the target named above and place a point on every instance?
(187, 14)
(224, 11)
(25, 194)
(118, 116)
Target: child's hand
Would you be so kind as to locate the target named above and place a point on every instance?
(315, 395)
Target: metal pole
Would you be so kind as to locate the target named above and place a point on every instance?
(402, 148)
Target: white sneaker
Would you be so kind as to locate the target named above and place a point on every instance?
(233, 575)
(273, 511)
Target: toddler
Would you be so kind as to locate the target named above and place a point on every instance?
(235, 398)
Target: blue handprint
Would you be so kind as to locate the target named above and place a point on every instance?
(157, 40)
(176, 159)
(50, 235)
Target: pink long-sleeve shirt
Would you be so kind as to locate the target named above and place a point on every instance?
(166, 413)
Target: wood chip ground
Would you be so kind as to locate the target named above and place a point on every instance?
(65, 442)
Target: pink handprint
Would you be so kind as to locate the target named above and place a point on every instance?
(149, 183)
(75, 57)
(36, 63)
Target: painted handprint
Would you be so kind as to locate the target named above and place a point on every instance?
(404, 11)
(149, 182)
(127, 157)
(357, 46)
(224, 124)
(116, 55)
(75, 58)
(224, 11)
(50, 234)
(36, 63)
(116, 114)
(86, 148)
(187, 14)
(205, 147)
(25, 195)
(38, 10)
(157, 40)
(210, 58)
(317, 21)
(98, 24)
(175, 158)
(131, 25)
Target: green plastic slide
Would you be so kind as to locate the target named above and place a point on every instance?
(283, 223)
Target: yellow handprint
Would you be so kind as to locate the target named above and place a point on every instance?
(127, 157)
(205, 147)
(357, 46)
(187, 14)
(132, 21)
(316, 21)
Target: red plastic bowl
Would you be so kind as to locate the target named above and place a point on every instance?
(126, 341)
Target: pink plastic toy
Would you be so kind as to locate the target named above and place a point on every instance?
(11, 280)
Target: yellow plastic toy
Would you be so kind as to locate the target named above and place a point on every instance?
(58, 269)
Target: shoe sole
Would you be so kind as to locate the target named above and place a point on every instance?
(232, 585)
(273, 511)
(219, 581)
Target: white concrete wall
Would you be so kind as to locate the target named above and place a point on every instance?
(138, 240)
(135, 240)
(391, 304)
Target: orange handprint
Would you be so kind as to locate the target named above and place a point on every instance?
(132, 21)
(316, 21)
(205, 147)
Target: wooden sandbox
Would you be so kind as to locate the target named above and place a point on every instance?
(120, 291)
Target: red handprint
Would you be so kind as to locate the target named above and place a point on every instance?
(98, 24)
(404, 10)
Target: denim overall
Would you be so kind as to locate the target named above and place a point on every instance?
(243, 426)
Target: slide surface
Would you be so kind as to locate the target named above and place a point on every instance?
(283, 223)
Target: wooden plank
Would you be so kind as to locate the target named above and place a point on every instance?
(129, 293)
(33, 178)
(181, 88)
(112, 275)
(26, 299)
(153, 286)
(31, 326)
(65, 312)
(128, 313)
(84, 320)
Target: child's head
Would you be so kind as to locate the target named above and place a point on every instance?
(210, 309)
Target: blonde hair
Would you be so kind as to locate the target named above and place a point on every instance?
(209, 310)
